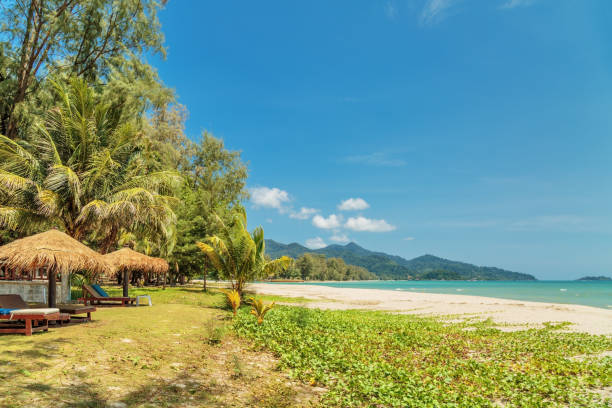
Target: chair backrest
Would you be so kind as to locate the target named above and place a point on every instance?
(98, 289)
(91, 291)
(12, 302)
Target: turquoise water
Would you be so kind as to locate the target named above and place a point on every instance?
(589, 293)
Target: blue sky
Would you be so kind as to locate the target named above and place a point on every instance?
(475, 130)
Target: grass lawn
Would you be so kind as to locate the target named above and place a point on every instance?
(186, 351)
(177, 353)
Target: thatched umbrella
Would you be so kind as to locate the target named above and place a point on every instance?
(126, 260)
(55, 251)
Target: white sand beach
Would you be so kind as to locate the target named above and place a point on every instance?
(519, 314)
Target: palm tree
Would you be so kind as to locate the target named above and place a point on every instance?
(80, 169)
(238, 255)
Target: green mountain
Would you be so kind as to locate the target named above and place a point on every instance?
(395, 267)
(595, 278)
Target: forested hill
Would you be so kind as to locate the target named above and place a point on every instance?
(395, 267)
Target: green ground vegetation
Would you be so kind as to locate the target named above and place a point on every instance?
(387, 360)
(187, 350)
(179, 353)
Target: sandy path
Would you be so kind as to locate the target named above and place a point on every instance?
(528, 314)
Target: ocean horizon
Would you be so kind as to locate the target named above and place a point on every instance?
(587, 293)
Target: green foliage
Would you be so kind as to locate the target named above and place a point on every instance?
(215, 181)
(381, 359)
(81, 170)
(386, 266)
(440, 274)
(102, 41)
(318, 267)
(238, 255)
(259, 308)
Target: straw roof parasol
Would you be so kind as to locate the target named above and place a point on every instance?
(128, 259)
(52, 249)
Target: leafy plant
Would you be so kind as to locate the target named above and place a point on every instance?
(233, 299)
(237, 366)
(378, 359)
(238, 255)
(259, 309)
(215, 333)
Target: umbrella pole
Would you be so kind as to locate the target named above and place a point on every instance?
(52, 286)
(126, 274)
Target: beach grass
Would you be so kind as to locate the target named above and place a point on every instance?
(380, 359)
(179, 353)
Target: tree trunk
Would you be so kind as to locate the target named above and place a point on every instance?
(109, 241)
(51, 272)
(205, 275)
(126, 283)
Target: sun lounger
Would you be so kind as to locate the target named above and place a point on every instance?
(74, 311)
(17, 317)
(94, 294)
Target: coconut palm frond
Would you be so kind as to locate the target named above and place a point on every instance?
(47, 147)
(65, 182)
(136, 195)
(16, 159)
(49, 202)
(281, 264)
(93, 213)
(14, 182)
(213, 255)
(21, 219)
(162, 182)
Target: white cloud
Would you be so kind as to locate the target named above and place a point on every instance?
(269, 220)
(376, 159)
(368, 224)
(390, 10)
(510, 4)
(315, 243)
(339, 237)
(409, 239)
(269, 197)
(434, 10)
(331, 222)
(353, 204)
(304, 213)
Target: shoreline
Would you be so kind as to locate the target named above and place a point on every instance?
(520, 314)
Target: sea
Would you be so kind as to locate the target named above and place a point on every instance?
(589, 293)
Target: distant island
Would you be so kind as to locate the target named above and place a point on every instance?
(595, 278)
(379, 265)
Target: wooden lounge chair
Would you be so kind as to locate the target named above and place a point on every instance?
(17, 317)
(74, 311)
(92, 296)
